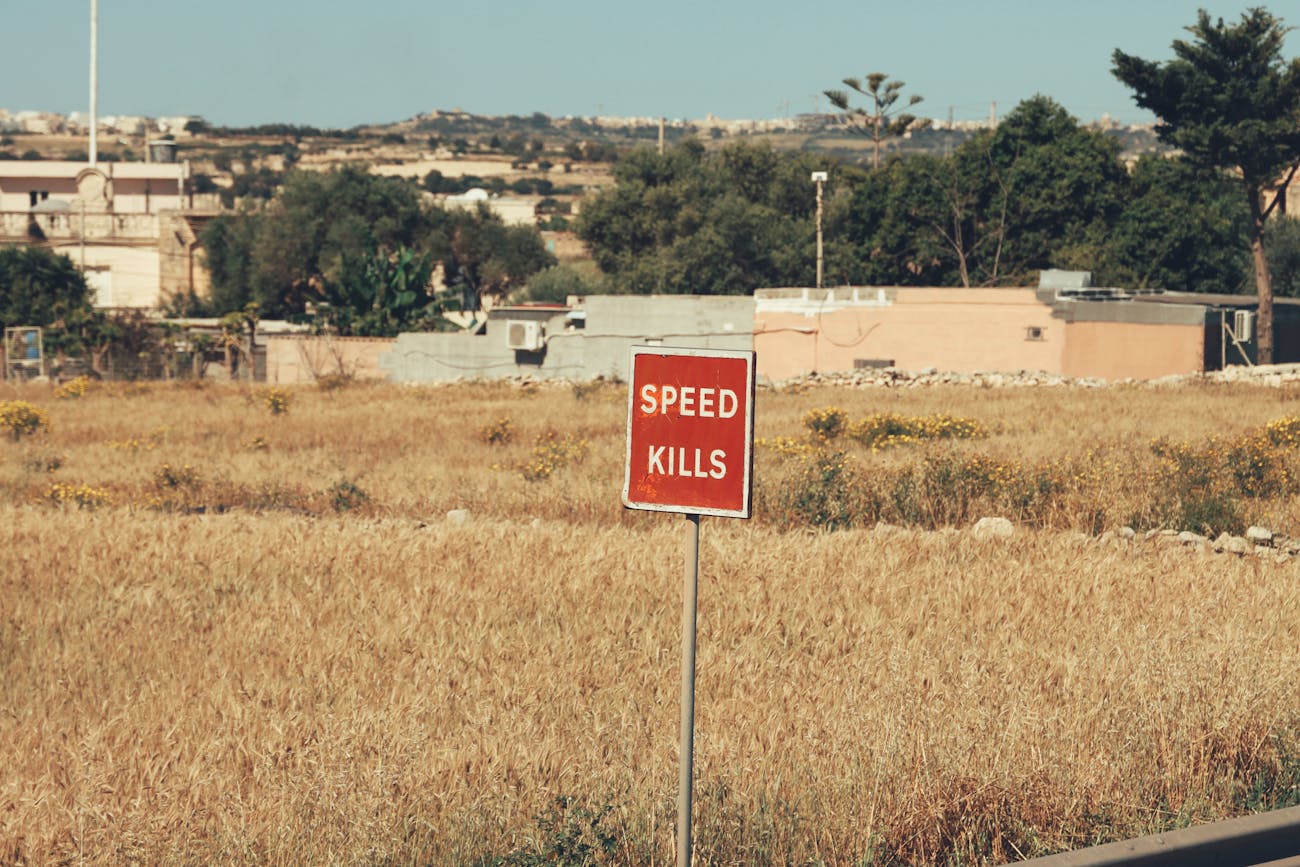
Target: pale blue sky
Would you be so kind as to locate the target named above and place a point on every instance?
(335, 63)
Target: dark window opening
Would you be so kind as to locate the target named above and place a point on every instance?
(1035, 332)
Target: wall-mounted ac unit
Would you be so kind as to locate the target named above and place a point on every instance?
(525, 335)
(1243, 325)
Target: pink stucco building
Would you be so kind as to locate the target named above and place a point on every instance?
(1084, 333)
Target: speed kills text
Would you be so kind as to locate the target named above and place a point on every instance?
(687, 401)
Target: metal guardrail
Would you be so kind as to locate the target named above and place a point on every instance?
(1262, 840)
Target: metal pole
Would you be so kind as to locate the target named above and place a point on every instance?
(1223, 340)
(819, 234)
(94, 82)
(686, 758)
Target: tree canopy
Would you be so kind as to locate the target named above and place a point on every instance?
(1230, 101)
(882, 120)
(45, 289)
(1040, 191)
(360, 251)
(694, 222)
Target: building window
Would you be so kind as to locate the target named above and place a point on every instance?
(1035, 332)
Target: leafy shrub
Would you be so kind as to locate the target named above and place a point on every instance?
(1284, 431)
(21, 418)
(568, 835)
(497, 433)
(74, 388)
(552, 451)
(825, 491)
(81, 496)
(886, 430)
(1203, 487)
(827, 423)
(277, 400)
(345, 496)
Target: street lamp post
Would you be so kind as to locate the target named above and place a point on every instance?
(819, 178)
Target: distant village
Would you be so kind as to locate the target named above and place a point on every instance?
(133, 221)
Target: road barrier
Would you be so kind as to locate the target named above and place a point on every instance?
(1271, 839)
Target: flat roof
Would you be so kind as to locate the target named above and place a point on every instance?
(1212, 299)
(69, 169)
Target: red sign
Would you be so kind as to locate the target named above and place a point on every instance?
(690, 431)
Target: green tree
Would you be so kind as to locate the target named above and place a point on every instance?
(1282, 241)
(1229, 101)
(361, 249)
(1039, 192)
(481, 256)
(41, 288)
(378, 294)
(882, 119)
(555, 284)
(693, 222)
(1182, 227)
(1062, 186)
(282, 254)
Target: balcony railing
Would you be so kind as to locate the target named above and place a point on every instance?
(75, 226)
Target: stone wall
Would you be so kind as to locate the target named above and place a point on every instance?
(298, 359)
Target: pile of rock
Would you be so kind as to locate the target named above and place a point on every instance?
(1275, 375)
(892, 377)
(1258, 542)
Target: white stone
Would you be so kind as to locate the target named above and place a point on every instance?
(1126, 533)
(1259, 535)
(459, 516)
(1234, 545)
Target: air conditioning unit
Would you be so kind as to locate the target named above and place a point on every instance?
(525, 335)
(1243, 325)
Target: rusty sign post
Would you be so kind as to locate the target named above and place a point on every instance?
(690, 449)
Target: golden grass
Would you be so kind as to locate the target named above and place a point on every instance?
(278, 679)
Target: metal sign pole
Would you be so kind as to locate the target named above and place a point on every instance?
(686, 758)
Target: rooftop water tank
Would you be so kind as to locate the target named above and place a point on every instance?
(162, 151)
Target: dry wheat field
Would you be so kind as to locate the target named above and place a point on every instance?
(236, 626)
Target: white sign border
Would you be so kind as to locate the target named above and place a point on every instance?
(746, 355)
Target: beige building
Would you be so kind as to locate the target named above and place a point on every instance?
(1079, 332)
(512, 211)
(130, 226)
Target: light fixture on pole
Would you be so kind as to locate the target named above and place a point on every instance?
(819, 178)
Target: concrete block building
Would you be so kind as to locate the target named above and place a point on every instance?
(588, 338)
(1074, 331)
